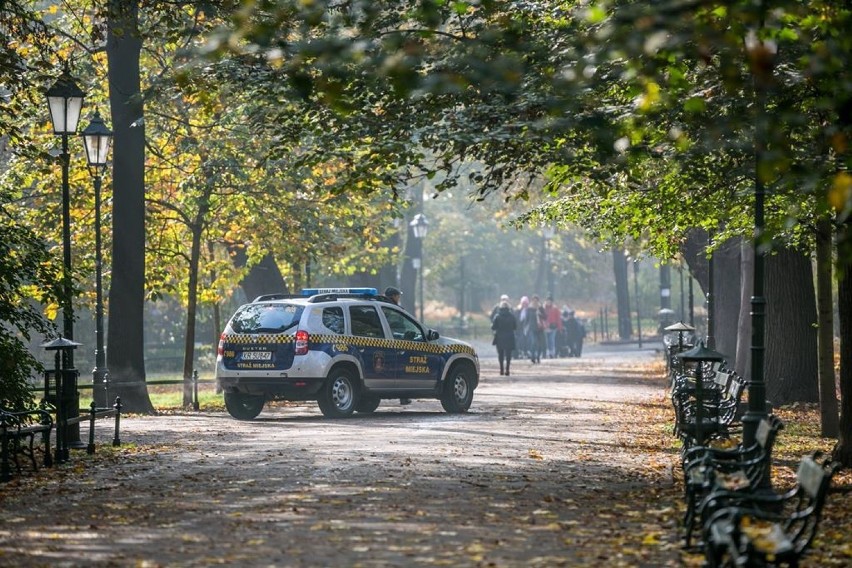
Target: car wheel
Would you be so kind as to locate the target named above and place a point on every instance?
(457, 393)
(244, 406)
(368, 404)
(338, 396)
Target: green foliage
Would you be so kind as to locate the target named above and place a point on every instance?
(27, 278)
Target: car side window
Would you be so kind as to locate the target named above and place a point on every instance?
(402, 326)
(365, 321)
(332, 318)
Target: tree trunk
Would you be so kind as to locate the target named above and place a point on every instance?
(694, 251)
(829, 419)
(727, 284)
(191, 310)
(125, 335)
(409, 275)
(665, 287)
(724, 305)
(262, 278)
(791, 340)
(843, 450)
(622, 295)
(743, 364)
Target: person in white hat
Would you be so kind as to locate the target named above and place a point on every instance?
(495, 309)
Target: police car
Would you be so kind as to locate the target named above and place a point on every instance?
(346, 348)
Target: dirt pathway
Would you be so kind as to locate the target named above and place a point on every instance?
(552, 467)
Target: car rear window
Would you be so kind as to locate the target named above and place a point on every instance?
(266, 318)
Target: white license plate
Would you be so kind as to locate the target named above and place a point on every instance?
(257, 356)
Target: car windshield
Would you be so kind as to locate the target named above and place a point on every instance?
(266, 318)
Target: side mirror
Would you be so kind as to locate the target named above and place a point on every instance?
(432, 335)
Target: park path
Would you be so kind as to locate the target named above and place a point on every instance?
(558, 465)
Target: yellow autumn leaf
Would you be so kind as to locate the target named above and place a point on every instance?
(651, 539)
(535, 454)
(840, 191)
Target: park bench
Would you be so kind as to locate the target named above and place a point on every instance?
(738, 468)
(708, 413)
(768, 529)
(18, 432)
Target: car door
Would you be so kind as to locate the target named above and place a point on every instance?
(378, 362)
(418, 363)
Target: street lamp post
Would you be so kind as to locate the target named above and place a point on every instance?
(65, 102)
(96, 139)
(761, 55)
(420, 226)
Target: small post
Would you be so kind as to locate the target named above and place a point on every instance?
(5, 470)
(195, 405)
(116, 441)
(90, 449)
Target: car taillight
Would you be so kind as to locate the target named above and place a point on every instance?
(220, 350)
(302, 338)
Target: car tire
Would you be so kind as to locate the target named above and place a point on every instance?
(339, 395)
(457, 392)
(244, 406)
(368, 404)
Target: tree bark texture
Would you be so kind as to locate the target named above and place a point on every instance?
(125, 335)
(743, 360)
(726, 298)
(622, 295)
(262, 278)
(725, 309)
(191, 309)
(843, 450)
(829, 411)
(410, 275)
(791, 340)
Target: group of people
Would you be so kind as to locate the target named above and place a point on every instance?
(532, 330)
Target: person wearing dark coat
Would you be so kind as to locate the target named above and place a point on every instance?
(574, 333)
(504, 326)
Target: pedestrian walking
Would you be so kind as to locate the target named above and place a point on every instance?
(553, 326)
(574, 334)
(504, 326)
(526, 323)
(496, 308)
(532, 322)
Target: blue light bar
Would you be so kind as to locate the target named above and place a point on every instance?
(362, 291)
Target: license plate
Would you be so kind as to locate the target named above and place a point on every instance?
(256, 356)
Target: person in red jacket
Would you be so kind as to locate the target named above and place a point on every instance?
(552, 326)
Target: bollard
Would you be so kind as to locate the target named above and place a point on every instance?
(116, 441)
(5, 470)
(90, 449)
(195, 405)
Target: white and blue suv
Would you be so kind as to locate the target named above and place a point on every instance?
(346, 348)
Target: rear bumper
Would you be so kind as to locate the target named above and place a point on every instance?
(285, 388)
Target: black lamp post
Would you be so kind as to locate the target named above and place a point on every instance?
(420, 226)
(761, 56)
(65, 100)
(96, 139)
